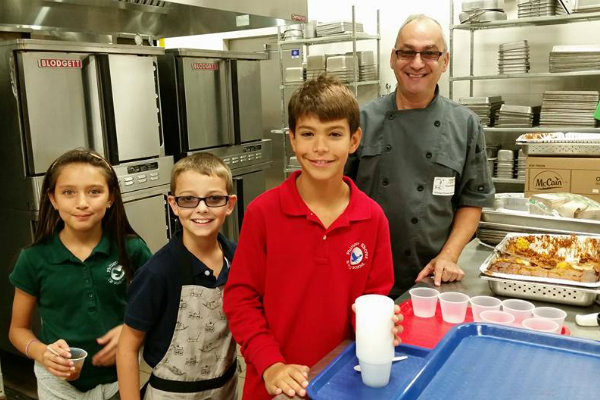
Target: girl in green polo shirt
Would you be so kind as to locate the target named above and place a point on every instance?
(75, 273)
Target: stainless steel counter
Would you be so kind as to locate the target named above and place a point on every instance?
(471, 258)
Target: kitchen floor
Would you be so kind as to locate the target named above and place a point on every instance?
(20, 384)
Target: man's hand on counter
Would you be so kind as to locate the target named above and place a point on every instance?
(289, 379)
(443, 270)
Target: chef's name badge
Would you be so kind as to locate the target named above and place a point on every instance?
(443, 185)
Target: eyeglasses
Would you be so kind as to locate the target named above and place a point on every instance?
(428, 55)
(193, 201)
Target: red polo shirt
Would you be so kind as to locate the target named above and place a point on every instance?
(293, 282)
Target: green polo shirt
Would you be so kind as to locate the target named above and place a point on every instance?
(78, 301)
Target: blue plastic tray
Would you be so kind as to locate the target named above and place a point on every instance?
(479, 361)
(476, 361)
(339, 381)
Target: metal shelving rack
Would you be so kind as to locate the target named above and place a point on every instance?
(512, 23)
(353, 38)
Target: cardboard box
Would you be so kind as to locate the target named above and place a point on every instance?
(563, 174)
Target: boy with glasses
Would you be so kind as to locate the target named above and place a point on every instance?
(422, 158)
(175, 300)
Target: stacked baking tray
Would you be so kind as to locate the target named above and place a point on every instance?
(587, 6)
(315, 65)
(484, 107)
(539, 8)
(569, 108)
(513, 57)
(367, 69)
(482, 11)
(341, 67)
(560, 143)
(513, 116)
(336, 28)
(575, 58)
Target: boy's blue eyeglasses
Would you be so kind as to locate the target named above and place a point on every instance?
(193, 201)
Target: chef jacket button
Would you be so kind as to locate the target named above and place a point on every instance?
(324, 237)
(385, 182)
(207, 272)
(407, 253)
(480, 188)
(420, 188)
(390, 116)
(388, 147)
(428, 154)
(414, 220)
(437, 124)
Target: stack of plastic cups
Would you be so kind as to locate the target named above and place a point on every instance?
(374, 338)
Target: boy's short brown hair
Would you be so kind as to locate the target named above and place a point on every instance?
(326, 98)
(205, 164)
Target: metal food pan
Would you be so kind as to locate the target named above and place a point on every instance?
(543, 280)
(542, 291)
(577, 149)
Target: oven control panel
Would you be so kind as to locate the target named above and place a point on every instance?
(244, 155)
(144, 174)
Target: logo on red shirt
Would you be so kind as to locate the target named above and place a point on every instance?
(357, 255)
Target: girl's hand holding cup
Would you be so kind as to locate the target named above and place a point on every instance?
(56, 359)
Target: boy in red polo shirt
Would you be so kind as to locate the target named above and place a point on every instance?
(308, 248)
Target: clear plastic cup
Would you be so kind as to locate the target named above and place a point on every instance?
(424, 301)
(552, 313)
(374, 338)
(483, 303)
(78, 357)
(541, 325)
(497, 317)
(521, 309)
(454, 306)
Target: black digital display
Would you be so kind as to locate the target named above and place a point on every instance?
(134, 169)
(256, 147)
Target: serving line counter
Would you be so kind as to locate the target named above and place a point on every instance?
(471, 258)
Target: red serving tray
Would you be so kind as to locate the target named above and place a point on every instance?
(427, 332)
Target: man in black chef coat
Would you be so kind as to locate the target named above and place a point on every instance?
(422, 158)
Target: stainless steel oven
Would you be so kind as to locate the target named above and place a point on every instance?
(211, 101)
(56, 96)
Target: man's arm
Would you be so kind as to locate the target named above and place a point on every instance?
(444, 266)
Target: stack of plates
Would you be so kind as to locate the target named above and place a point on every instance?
(484, 107)
(539, 8)
(569, 108)
(520, 164)
(513, 57)
(575, 58)
(367, 69)
(511, 116)
(341, 67)
(336, 28)
(505, 166)
(315, 66)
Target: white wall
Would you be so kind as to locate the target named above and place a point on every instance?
(394, 12)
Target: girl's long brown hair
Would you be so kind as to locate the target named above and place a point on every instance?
(115, 221)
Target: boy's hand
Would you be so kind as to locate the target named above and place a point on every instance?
(290, 379)
(107, 356)
(397, 318)
(398, 328)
